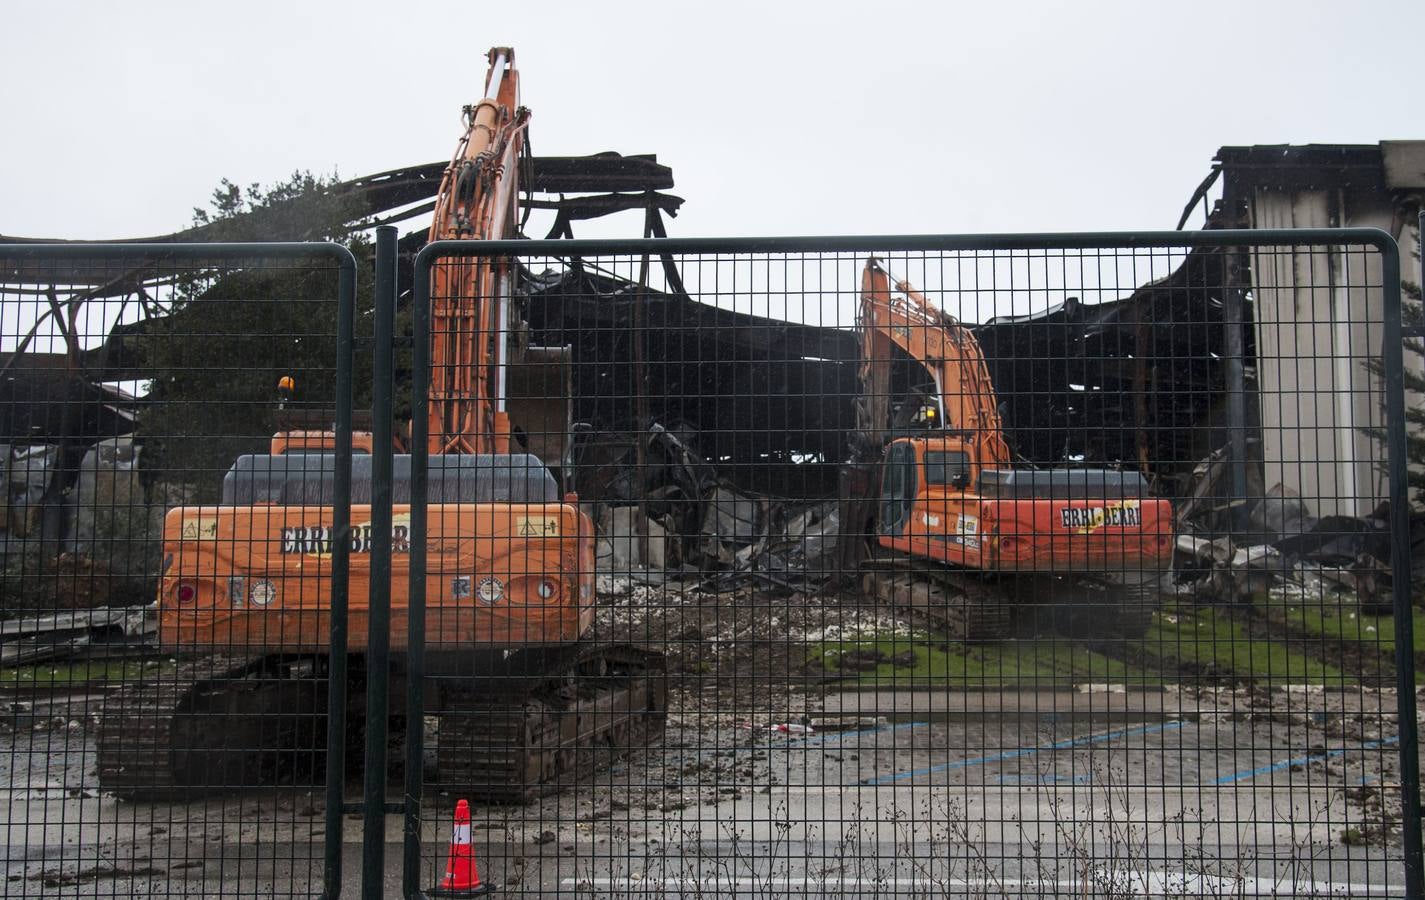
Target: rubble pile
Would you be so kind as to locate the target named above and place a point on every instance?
(1232, 549)
(682, 518)
(744, 633)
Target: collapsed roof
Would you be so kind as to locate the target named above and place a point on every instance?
(602, 184)
(1139, 381)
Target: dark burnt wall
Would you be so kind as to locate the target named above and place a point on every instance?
(1137, 383)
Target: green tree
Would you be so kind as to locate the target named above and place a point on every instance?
(304, 207)
(231, 332)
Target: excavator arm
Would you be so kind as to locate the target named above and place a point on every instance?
(478, 199)
(903, 317)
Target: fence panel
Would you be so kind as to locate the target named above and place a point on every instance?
(1001, 566)
(173, 598)
(910, 567)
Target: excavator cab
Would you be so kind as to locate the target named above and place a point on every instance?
(935, 471)
(899, 483)
(947, 466)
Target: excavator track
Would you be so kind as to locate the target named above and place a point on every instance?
(960, 606)
(1100, 608)
(965, 607)
(550, 719)
(218, 722)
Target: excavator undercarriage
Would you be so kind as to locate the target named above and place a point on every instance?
(959, 605)
(977, 607)
(526, 725)
(214, 722)
(547, 718)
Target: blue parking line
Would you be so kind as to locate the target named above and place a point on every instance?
(836, 736)
(1303, 760)
(1028, 751)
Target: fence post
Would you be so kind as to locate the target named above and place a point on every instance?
(416, 597)
(378, 631)
(1400, 573)
(341, 583)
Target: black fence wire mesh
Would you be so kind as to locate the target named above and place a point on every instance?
(914, 567)
(166, 666)
(920, 568)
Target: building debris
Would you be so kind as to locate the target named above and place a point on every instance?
(630, 543)
(732, 525)
(25, 474)
(692, 520)
(32, 639)
(1280, 541)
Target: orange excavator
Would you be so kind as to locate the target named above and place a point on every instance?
(964, 538)
(521, 696)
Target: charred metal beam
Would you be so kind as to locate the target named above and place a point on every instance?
(574, 209)
(381, 193)
(1308, 165)
(601, 172)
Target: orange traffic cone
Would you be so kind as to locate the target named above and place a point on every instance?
(462, 876)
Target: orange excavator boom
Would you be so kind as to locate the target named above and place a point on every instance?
(937, 341)
(470, 313)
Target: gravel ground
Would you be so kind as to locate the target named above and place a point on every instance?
(1281, 782)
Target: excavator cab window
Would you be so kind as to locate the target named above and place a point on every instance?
(898, 487)
(947, 467)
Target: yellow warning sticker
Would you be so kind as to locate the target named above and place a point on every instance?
(537, 526)
(200, 529)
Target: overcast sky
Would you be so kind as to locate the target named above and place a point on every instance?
(806, 118)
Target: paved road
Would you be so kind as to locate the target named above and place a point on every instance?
(935, 801)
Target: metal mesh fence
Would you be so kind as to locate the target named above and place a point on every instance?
(860, 567)
(165, 659)
(985, 568)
